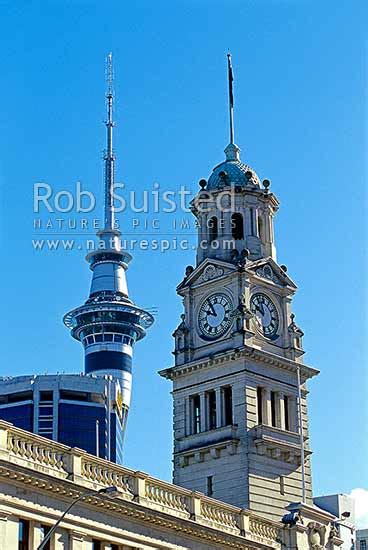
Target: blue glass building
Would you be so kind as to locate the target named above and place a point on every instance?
(70, 408)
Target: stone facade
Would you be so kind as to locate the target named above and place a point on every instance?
(39, 478)
(238, 421)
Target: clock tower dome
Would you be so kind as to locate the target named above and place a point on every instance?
(239, 381)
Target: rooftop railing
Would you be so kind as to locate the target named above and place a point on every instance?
(37, 453)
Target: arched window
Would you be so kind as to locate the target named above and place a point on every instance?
(213, 229)
(237, 228)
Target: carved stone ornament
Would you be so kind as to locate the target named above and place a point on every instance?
(316, 535)
(334, 531)
(243, 308)
(266, 272)
(293, 327)
(211, 272)
(182, 327)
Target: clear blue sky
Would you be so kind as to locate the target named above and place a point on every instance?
(300, 120)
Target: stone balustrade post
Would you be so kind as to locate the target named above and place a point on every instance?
(4, 429)
(244, 522)
(73, 463)
(139, 486)
(194, 501)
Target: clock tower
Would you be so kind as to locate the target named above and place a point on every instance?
(239, 382)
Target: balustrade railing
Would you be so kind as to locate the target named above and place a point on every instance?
(86, 471)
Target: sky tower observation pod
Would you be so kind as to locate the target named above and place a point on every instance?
(109, 324)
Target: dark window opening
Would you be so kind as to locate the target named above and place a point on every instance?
(282, 485)
(74, 395)
(46, 395)
(211, 396)
(260, 405)
(15, 397)
(237, 228)
(286, 408)
(213, 229)
(96, 544)
(196, 404)
(23, 535)
(228, 405)
(273, 408)
(209, 486)
(44, 530)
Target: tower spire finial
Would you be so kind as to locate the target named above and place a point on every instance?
(232, 151)
(109, 157)
(231, 97)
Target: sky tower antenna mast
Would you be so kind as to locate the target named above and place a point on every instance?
(109, 214)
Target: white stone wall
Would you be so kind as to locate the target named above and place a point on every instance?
(241, 475)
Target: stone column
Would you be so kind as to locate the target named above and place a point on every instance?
(203, 400)
(219, 408)
(187, 416)
(62, 541)
(3, 530)
(255, 222)
(76, 541)
(293, 414)
(227, 233)
(36, 535)
(203, 227)
(266, 406)
(248, 222)
(280, 411)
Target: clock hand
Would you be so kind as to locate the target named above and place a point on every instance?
(212, 310)
(259, 307)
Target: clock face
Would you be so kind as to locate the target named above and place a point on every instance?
(215, 316)
(266, 314)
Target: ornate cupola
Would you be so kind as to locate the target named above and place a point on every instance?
(234, 209)
(108, 324)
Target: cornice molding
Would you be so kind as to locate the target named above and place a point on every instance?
(259, 356)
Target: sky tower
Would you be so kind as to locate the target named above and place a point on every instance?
(108, 324)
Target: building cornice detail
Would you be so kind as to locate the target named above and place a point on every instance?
(248, 352)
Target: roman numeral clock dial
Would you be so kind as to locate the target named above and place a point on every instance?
(215, 316)
(266, 314)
